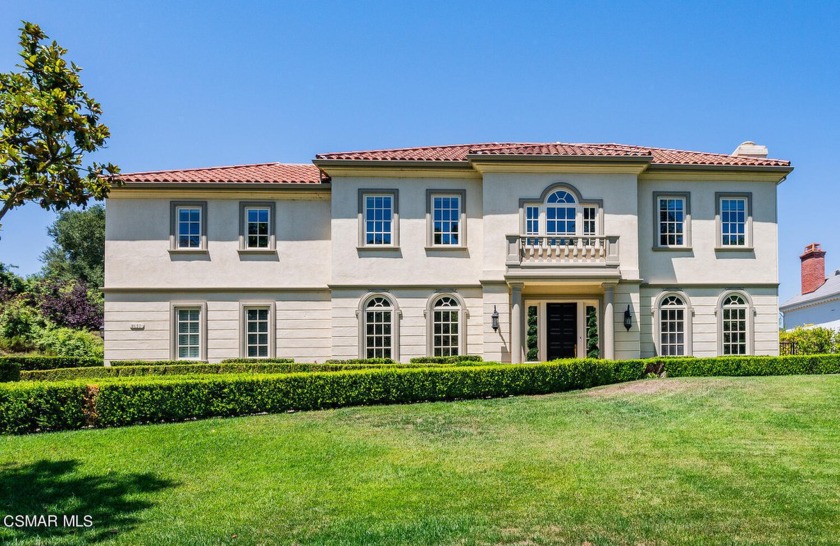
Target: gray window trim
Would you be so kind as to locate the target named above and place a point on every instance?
(395, 223)
(173, 225)
(462, 223)
(749, 221)
(463, 315)
(657, 195)
(689, 321)
(244, 306)
(396, 318)
(174, 307)
(272, 223)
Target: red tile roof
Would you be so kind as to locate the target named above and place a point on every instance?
(261, 173)
(461, 153)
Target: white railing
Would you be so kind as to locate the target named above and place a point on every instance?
(559, 250)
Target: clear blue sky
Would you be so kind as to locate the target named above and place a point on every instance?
(188, 84)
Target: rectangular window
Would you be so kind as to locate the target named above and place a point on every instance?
(257, 222)
(378, 217)
(560, 221)
(589, 216)
(672, 214)
(188, 336)
(257, 332)
(733, 221)
(446, 220)
(189, 224)
(532, 224)
(378, 333)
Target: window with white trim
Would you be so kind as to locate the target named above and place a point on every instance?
(733, 221)
(257, 324)
(446, 219)
(446, 326)
(378, 327)
(590, 214)
(734, 325)
(189, 227)
(188, 334)
(672, 218)
(561, 214)
(378, 218)
(257, 227)
(672, 326)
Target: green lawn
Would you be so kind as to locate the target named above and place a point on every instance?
(666, 461)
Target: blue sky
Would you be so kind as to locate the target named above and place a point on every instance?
(188, 84)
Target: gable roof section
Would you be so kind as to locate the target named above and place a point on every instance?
(260, 173)
(466, 152)
(830, 289)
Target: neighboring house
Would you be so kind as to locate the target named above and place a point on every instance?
(819, 302)
(505, 250)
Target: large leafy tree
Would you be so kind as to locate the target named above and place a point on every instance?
(78, 251)
(48, 124)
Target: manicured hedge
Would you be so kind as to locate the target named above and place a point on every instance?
(52, 362)
(155, 362)
(258, 361)
(9, 371)
(445, 359)
(181, 369)
(360, 361)
(751, 365)
(30, 407)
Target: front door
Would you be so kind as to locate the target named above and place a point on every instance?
(561, 330)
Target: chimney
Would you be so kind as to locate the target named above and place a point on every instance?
(813, 268)
(750, 149)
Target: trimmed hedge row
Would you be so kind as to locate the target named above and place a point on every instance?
(29, 407)
(360, 361)
(180, 369)
(51, 362)
(750, 365)
(446, 359)
(258, 361)
(9, 371)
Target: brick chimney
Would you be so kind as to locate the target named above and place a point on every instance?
(813, 268)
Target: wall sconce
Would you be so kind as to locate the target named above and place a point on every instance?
(494, 319)
(628, 319)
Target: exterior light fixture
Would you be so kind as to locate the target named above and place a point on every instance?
(628, 319)
(495, 319)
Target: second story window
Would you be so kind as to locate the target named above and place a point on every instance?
(188, 226)
(379, 218)
(446, 219)
(734, 220)
(672, 220)
(560, 216)
(257, 222)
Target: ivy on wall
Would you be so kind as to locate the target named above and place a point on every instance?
(592, 350)
(533, 339)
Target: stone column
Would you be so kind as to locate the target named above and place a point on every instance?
(516, 323)
(609, 322)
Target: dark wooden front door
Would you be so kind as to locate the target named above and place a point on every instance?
(561, 330)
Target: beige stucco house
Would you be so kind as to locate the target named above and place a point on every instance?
(511, 251)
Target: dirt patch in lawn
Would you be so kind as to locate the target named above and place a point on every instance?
(646, 386)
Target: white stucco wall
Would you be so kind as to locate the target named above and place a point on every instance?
(825, 315)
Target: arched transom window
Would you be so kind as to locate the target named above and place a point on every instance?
(561, 214)
(446, 326)
(734, 325)
(378, 324)
(672, 325)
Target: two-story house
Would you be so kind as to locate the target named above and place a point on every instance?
(512, 251)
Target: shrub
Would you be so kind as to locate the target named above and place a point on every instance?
(155, 362)
(812, 341)
(445, 359)
(258, 361)
(68, 305)
(69, 342)
(182, 369)
(38, 362)
(19, 324)
(9, 371)
(751, 365)
(361, 361)
(31, 407)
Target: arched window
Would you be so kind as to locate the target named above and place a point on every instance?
(672, 326)
(560, 211)
(734, 325)
(446, 327)
(378, 328)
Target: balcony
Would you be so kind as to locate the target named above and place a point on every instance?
(562, 251)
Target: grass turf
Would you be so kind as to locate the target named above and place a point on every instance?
(692, 460)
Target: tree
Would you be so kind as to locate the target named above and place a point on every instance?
(78, 251)
(47, 126)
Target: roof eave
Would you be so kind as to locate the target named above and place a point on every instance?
(392, 163)
(784, 169)
(553, 158)
(306, 186)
